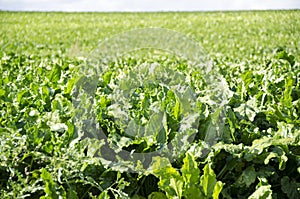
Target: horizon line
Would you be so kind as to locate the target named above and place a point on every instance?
(150, 11)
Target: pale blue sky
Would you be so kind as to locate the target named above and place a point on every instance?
(146, 5)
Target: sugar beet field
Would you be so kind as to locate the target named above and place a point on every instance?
(150, 105)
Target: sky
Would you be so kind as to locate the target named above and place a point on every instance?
(146, 5)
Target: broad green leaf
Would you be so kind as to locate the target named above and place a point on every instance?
(277, 152)
(104, 195)
(55, 74)
(190, 171)
(2, 92)
(286, 99)
(177, 108)
(290, 187)
(170, 180)
(50, 186)
(70, 85)
(191, 176)
(157, 195)
(263, 192)
(247, 178)
(72, 194)
(217, 189)
(247, 110)
(208, 180)
(154, 127)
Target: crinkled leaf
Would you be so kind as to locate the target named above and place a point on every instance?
(290, 187)
(263, 192)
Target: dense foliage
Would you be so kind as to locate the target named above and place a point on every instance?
(256, 156)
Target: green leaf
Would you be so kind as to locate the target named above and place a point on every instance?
(246, 110)
(212, 128)
(157, 195)
(190, 170)
(2, 92)
(104, 195)
(217, 189)
(277, 152)
(72, 194)
(263, 192)
(70, 85)
(247, 178)
(287, 99)
(191, 176)
(55, 74)
(177, 108)
(154, 127)
(208, 180)
(107, 77)
(290, 187)
(282, 54)
(170, 180)
(233, 123)
(50, 186)
(21, 95)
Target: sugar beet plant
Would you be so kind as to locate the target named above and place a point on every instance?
(150, 123)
